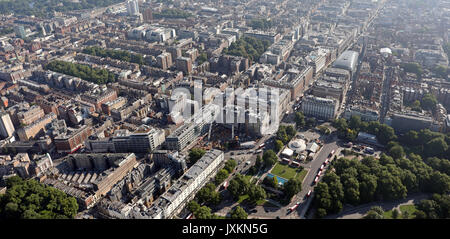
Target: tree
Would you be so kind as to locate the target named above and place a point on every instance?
(193, 206)
(196, 154)
(230, 165)
(435, 147)
(203, 212)
(299, 120)
(420, 215)
(321, 212)
(270, 158)
(405, 215)
(411, 138)
(439, 183)
(340, 124)
(292, 187)
(355, 122)
(271, 182)
(397, 152)
(351, 192)
(384, 159)
(239, 186)
(385, 134)
(310, 122)
(416, 106)
(367, 187)
(429, 102)
(323, 197)
(256, 193)
(208, 195)
(290, 131)
(373, 214)
(238, 213)
(221, 176)
(278, 145)
(282, 135)
(31, 199)
(441, 71)
(395, 213)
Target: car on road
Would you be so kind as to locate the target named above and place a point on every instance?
(309, 193)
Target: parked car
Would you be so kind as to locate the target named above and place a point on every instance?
(309, 193)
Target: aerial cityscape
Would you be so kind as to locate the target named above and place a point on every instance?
(224, 109)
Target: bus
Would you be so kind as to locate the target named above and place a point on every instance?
(291, 209)
(261, 146)
(225, 185)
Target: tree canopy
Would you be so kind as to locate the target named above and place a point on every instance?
(248, 47)
(29, 199)
(195, 154)
(115, 54)
(238, 213)
(85, 72)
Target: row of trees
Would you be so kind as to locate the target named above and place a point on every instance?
(248, 47)
(225, 172)
(44, 8)
(286, 133)
(30, 199)
(115, 54)
(85, 72)
(349, 130)
(302, 122)
(355, 182)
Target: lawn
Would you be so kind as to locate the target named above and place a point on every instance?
(287, 172)
(408, 208)
(283, 171)
(242, 198)
(300, 176)
(403, 208)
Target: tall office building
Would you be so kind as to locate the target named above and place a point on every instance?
(133, 7)
(6, 125)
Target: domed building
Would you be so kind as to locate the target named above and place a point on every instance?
(297, 145)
